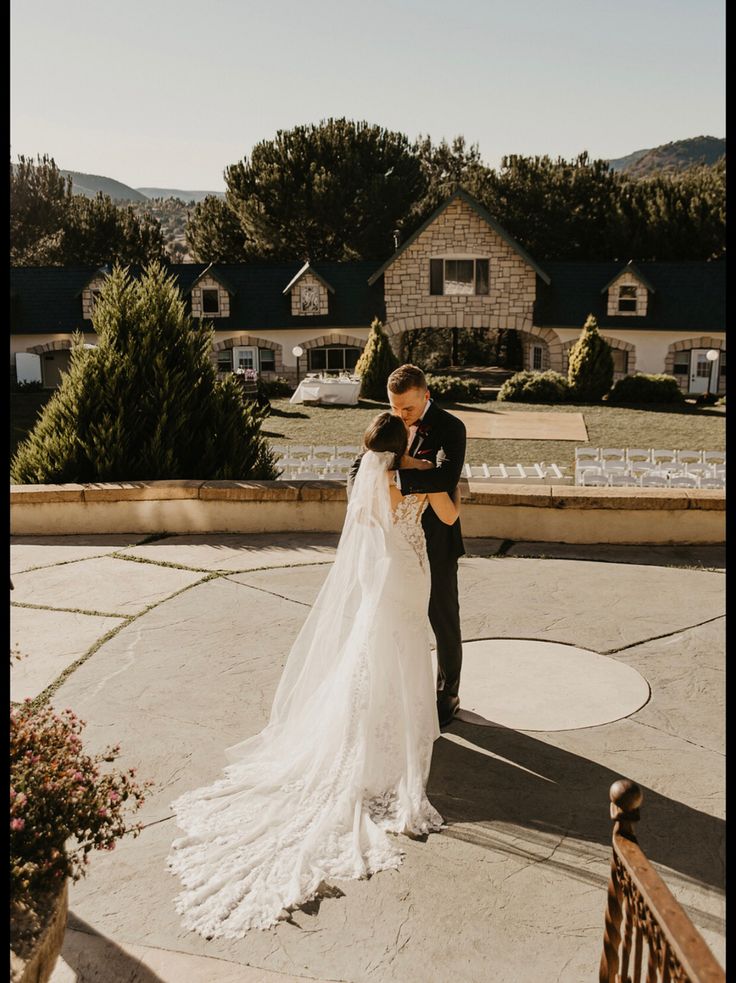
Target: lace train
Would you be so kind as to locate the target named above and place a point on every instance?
(318, 792)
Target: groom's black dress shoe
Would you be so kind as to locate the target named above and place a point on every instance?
(447, 707)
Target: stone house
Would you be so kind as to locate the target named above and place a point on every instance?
(459, 269)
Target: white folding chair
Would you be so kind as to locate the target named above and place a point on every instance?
(613, 454)
(479, 471)
(514, 471)
(660, 457)
(594, 477)
(684, 481)
(689, 457)
(590, 454)
(340, 451)
(300, 450)
(323, 451)
(714, 457)
(653, 480)
(712, 483)
(612, 466)
(639, 455)
(623, 479)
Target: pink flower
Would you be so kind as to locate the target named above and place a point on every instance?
(114, 797)
(20, 798)
(17, 823)
(102, 812)
(78, 776)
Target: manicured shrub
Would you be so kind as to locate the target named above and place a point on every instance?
(643, 388)
(453, 389)
(535, 387)
(590, 367)
(376, 363)
(145, 403)
(278, 388)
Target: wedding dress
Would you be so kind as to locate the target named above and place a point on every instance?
(344, 759)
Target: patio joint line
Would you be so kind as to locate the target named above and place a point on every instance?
(667, 634)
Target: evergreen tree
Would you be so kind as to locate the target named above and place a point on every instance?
(214, 233)
(51, 226)
(331, 191)
(376, 363)
(590, 366)
(145, 403)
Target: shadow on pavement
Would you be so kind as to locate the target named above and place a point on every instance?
(546, 790)
(93, 956)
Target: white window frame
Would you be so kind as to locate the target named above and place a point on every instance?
(466, 258)
(326, 349)
(253, 349)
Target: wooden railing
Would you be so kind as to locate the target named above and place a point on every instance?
(644, 922)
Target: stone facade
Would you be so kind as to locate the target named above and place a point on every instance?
(309, 297)
(88, 296)
(209, 283)
(627, 279)
(460, 233)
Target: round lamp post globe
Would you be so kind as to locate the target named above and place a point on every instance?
(297, 351)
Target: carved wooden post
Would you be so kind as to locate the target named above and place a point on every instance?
(626, 797)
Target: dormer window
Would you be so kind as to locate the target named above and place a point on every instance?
(458, 277)
(628, 293)
(627, 299)
(210, 301)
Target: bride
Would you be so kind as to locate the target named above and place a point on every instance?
(344, 759)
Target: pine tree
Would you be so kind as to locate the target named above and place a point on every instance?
(590, 366)
(145, 403)
(376, 363)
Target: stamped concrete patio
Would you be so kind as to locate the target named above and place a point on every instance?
(583, 664)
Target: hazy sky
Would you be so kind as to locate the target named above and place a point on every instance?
(167, 93)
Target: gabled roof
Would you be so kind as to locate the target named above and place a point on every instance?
(686, 296)
(47, 297)
(100, 271)
(304, 270)
(483, 214)
(635, 271)
(211, 271)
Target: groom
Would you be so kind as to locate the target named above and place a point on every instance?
(437, 437)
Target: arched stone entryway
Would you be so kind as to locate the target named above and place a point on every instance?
(54, 356)
(545, 338)
(675, 366)
(251, 341)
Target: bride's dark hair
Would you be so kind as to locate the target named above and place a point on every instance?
(387, 432)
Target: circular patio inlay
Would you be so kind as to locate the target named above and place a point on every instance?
(528, 684)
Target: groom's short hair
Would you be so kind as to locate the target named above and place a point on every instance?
(406, 377)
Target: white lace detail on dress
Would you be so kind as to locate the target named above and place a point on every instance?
(339, 767)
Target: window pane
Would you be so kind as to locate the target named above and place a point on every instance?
(351, 357)
(267, 359)
(210, 302)
(317, 358)
(245, 358)
(459, 276)
(225, 360)
(481, 276)
(435, 276)
(722, 361)
(335, 358)
(536, 357)
(627, 291)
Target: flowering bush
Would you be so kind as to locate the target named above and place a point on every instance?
(61, 804)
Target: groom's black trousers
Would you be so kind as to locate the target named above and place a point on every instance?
(444, 617)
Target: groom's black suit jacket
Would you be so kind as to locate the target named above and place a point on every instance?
(440, 439)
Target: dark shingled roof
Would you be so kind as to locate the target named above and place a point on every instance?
(687, 296)
(47, 298)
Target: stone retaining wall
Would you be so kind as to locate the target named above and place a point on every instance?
(531, 513)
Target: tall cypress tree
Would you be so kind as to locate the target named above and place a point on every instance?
(146, 402)
(590, 366)
(376, 363)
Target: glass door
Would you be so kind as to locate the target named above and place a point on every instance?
(703, 373)
(245, 358)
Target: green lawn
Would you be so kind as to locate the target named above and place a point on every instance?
(699, 428)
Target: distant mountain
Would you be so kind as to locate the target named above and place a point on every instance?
(672, 157)
(185, 196)
(90, 184)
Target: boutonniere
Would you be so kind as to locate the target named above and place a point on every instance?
(422, 429)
